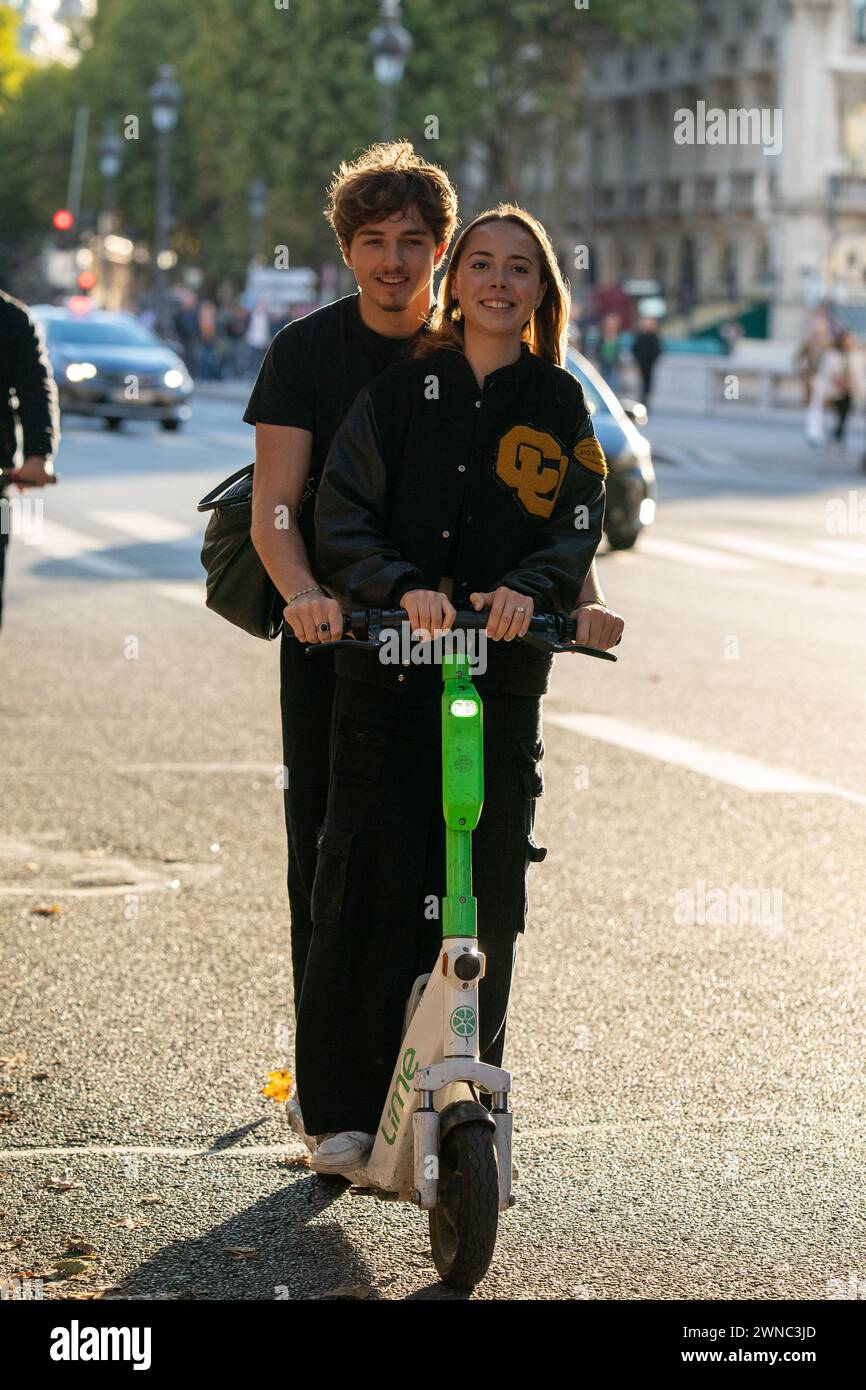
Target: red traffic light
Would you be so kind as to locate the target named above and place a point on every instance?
(63, 219)
(86, 280)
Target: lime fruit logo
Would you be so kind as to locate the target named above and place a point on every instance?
(463, 1021)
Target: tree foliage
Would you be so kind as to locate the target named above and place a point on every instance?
(284, 93)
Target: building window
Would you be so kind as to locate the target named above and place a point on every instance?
(858, 20)
(598, 70)
(629, 67)
(696, 57)
(732, 54)
(748, 17)
(854, 137)
(768, 47)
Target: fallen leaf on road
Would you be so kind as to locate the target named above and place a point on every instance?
(240, 1252)
(17, 1059)
(297, 1161)
(46, 910)
(40, 1075)
(76, 1245)
(279, 1086)
(347, 1291)
(131, 1223)
(7, 1116)
(14, 1244)
(70, 1267)
(151, 1199)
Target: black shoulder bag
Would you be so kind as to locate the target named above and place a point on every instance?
(239, 587)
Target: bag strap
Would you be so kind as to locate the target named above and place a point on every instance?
(212, 498)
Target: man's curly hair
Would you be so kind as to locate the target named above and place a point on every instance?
(386, 179)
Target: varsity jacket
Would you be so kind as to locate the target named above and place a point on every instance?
(431, 475)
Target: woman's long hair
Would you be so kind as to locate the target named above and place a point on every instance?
(547, 330)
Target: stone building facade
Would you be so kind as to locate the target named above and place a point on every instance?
(767, 199)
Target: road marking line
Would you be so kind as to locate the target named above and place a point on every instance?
(272, 768)
(857, 549)
(747, 774)
(144, 526)
(700, 558)
(62, 543)
(786, 554)
(294, 1146)
(181, 591)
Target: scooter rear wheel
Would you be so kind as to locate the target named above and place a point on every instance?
(464, 1223)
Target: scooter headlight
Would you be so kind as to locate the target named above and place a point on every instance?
(463, 708)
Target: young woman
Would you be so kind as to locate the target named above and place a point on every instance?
(468, 475)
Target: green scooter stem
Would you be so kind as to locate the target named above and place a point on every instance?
(462, 792)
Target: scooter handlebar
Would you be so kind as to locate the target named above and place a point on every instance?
(548, 632)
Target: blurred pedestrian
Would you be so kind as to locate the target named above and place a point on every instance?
(808, 360)
(257, 336)
(209, 362)
(26, 372)
(610, 350)
(646, 350)
(187, 331)
(835, 381)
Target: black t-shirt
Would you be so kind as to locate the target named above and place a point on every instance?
(311, 374)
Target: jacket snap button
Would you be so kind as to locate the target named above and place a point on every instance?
(401, 677)
(477, 405)
(461, 468)
(445, 535)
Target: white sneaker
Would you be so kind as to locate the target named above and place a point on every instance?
(343, 1152)
(296, 1124)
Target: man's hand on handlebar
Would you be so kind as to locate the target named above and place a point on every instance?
(598, 626)
(510, 613)
(315, 618)
(429, 612)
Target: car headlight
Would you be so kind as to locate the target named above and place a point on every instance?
(80, 371)
(174, 378)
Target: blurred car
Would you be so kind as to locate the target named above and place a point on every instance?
(631, 479)
(110, 365)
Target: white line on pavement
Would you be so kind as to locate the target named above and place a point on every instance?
(786, 554)
(748, 774)
(182, 591)
(684, 553)
(144, 526)
(62, 543)
(271, 768)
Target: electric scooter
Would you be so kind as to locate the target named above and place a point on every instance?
(437, 1146)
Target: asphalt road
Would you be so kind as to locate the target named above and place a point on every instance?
(687, 1026)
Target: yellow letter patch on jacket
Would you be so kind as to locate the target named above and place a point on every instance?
(590, 453)
(532, 463)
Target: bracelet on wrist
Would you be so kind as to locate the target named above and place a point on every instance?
(311, 589)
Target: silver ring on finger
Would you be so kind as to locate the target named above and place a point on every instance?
(324, 627)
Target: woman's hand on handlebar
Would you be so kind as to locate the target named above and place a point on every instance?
(429, 611)
(315, 618)
(510, 613)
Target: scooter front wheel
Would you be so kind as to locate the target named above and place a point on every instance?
(464, 1223)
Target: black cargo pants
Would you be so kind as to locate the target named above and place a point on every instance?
(306, 694)
(380, 879)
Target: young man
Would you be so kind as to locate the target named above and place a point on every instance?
(393, 214)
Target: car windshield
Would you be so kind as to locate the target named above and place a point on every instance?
(95, 333)
(593, 399)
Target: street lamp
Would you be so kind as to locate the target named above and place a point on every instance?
(257, 203)
(110, 160)
(165, 98)
(390, 45)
